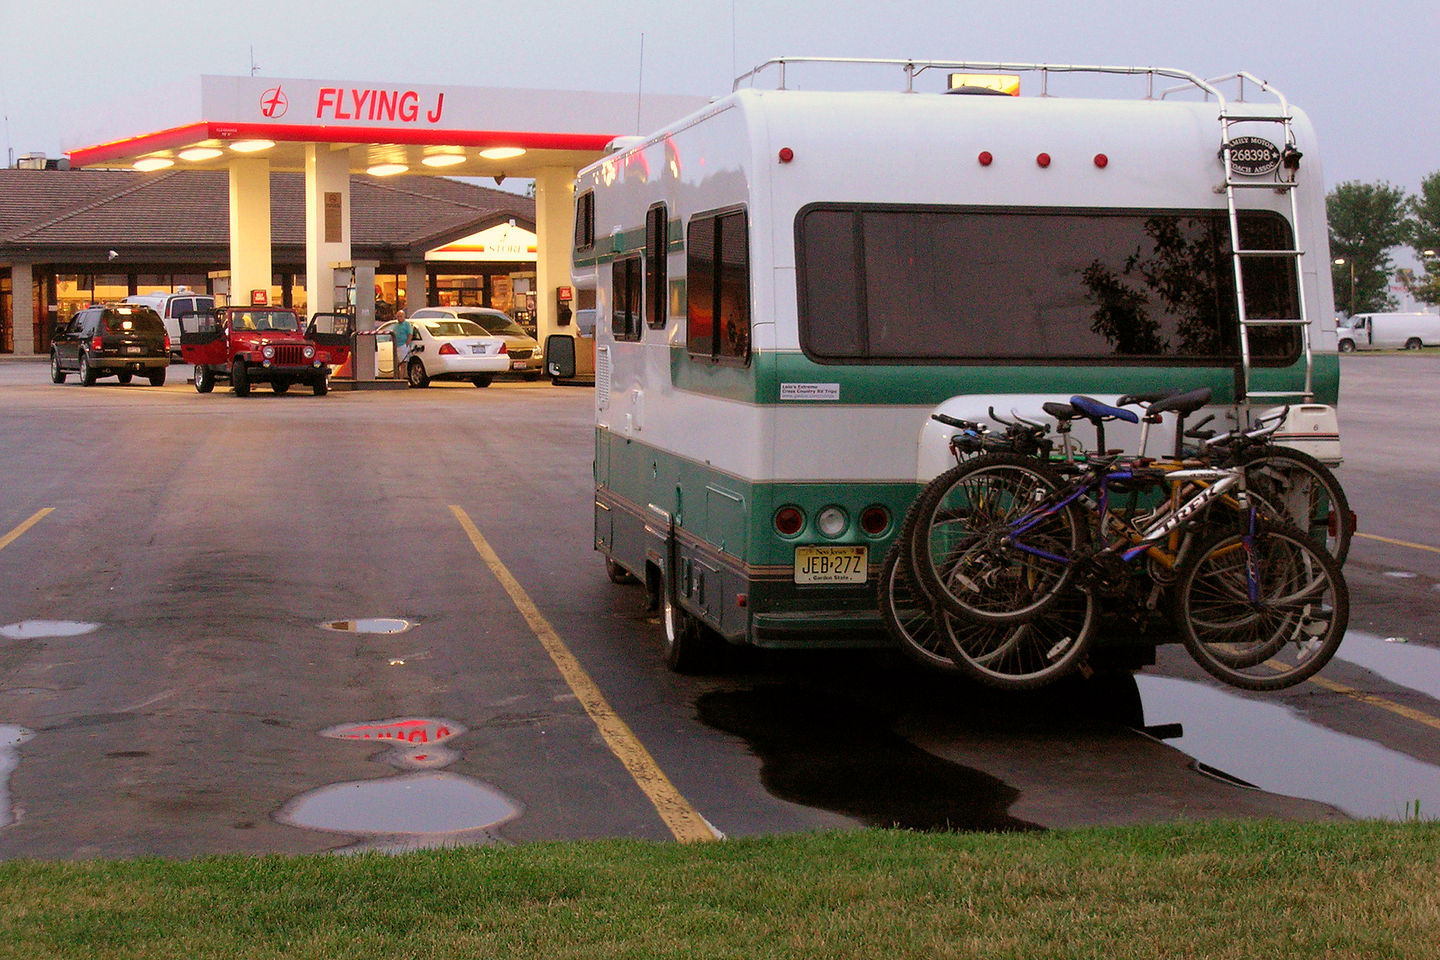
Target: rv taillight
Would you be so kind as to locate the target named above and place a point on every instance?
(874, 520)
(985, 158)
(1102, 161)
(786, 154)
(789, 521)
(1043, 159)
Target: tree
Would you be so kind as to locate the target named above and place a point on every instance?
(1366, 220)
(1425, 235)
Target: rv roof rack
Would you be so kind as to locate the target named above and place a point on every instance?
(914, 68)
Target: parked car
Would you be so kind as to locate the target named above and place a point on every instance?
(119, 340)
(526, 358)
(249, 345)
(171, 307)
(449, 348)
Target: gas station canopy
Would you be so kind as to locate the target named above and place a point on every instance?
(333, 129)
(383, 128)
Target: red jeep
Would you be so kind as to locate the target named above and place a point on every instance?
(249, 345)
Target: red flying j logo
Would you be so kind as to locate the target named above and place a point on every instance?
(273, 103)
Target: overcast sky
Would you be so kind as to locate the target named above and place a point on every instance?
(1367, 73)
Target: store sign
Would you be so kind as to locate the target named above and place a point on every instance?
(378, 105)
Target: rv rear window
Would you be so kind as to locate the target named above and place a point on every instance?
(625, 281)
(585, 221)
(934, 284)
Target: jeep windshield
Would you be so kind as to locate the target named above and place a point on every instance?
(260, 320)
(133, 320)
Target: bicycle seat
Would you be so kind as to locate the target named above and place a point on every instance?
(1182, 403)
(1060, 411)
(1095, 411)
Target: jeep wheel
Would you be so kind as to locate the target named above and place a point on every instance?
(87, 372)
(239, 378)
(157, 377)
(415, 374)
(281, 387)
(321, 386)
(56, 374)
(204, 378)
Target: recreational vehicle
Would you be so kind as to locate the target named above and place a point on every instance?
(790, 282)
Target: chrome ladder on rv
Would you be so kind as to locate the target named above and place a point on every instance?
(1286, 181)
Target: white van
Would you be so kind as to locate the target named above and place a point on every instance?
(171, 307)
(1388, 331)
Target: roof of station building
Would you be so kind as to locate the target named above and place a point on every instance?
(42, 210)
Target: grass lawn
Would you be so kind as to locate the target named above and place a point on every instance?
(1242, 890)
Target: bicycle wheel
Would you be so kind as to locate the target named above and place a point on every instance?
(989, 545)
(1308, 493)
(1027, 655)
(1262, 612)
(909, 617)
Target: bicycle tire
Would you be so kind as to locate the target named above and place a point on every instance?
(958, 553)
(1282, 635)
(1028, 655)
(909, 617)
(1306, 490)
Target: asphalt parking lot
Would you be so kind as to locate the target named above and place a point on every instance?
(373, 619)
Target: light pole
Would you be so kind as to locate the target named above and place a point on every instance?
(1340, 262)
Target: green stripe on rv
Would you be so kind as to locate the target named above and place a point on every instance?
(735, 515)
(791, 378)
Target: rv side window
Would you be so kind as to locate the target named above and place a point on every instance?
(656, 247)
(717, 277)
(625, 313)
(585, 221)
(926, 284)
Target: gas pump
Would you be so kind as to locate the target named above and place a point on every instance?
(563, 297)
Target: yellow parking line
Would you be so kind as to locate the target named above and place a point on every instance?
(1398, 543)
(684, 821)
(1399, 709)
(19, 531)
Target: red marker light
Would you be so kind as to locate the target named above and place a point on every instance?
(985, 158)
(1102, 161)
(1043, 159)
(786, 154)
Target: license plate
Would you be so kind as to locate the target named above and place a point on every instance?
(517, 364)
(477, 348)
(134, 349)
(831, 564)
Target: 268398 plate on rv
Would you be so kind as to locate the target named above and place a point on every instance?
(789, 283)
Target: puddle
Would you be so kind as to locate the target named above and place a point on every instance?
(372, 625)
(11, 737)
(828, 752)
(1273, 748)
(410, 804)
(411, 810)
(40, 629)
(1406, 664)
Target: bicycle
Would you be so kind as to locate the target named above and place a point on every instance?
(999, 540)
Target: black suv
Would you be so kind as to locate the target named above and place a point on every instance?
(111, 341)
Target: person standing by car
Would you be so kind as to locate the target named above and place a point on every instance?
(403, 332)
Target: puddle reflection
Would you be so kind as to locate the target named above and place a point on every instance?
(11, 736)
(44, 629)
(1275, 749)
(1407, 664)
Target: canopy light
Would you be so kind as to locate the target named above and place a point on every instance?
(502, 153)
(196, 154)
(251, 146)
(146, 164)
(443, 159)
(1006, 83)
(386, 169)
